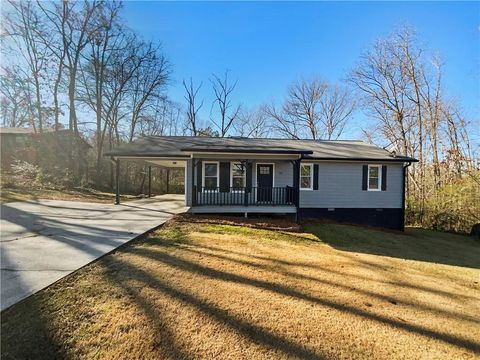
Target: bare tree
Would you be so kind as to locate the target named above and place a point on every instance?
(103, 43)
(302, 105)
(148, 83)
(192, 107)
(16, 104)
(228, 113)
(282, 122)
(124, 63)
(409, 56)
(163, 119)
(336, 108)
(382, 85)
(253, 123)
(23, 23)
(433, 102)
(73, 21)
(51, 39)
(400, 86)
(313, 109)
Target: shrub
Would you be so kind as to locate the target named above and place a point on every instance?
(454, 207)
(24, 173)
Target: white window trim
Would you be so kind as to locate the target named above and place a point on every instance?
(203, 174)
(311, 177)
(273, 170)
(379, 177)
(244, 175)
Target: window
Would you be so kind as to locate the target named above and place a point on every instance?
(374, 177)
(264, 170)
(238, 176)
(306, 177)
(20, 140)
(210, 175)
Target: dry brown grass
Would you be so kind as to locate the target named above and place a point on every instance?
(8, 194)
(215, 291)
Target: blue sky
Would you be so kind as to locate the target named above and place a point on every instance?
(267, 45)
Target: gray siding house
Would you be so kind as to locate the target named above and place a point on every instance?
(346, 181)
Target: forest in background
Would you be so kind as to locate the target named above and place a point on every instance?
(77, 65)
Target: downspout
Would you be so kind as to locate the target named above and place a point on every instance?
(297, 190)
(404, 188)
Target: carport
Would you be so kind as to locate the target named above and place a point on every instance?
(146, 150)
(161, 162)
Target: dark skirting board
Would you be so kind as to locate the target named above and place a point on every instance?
(378, 217)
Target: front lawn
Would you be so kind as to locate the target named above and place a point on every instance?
(219, 291)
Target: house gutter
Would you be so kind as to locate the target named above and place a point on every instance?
(246, 151)
(337, 159)
(297, 190)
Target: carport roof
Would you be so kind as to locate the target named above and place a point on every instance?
(184, 146)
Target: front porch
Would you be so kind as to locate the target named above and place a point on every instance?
(244, 196)
(244, 200)
(228, 185)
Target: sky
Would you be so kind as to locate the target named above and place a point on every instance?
(268, 45)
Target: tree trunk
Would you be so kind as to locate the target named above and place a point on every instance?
(39, 104)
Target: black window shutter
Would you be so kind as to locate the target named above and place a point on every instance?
(225, 177)
(199, 176)
(315, 176)
(365, 177)
(248, 175)
(384, 177)
(296, 175)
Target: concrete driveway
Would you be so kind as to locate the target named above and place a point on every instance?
(44, 240)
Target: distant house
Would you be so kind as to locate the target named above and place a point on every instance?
(347, 181)
(28, 145)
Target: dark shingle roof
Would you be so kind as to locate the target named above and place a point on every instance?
(50, 132)
(15, 130)
(182, 146)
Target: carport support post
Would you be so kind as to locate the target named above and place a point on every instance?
(149, 181)
(194, 188)
(117, 182)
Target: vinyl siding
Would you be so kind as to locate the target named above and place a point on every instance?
(340, 186)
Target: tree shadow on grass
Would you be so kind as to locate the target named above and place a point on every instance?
(28, 331)
(195, 268)
(131, 279)
(414, 244)
(166, 343)
(254, 333)
(295, 264)
(326, 281)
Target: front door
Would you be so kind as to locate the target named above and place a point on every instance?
(264, 182)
